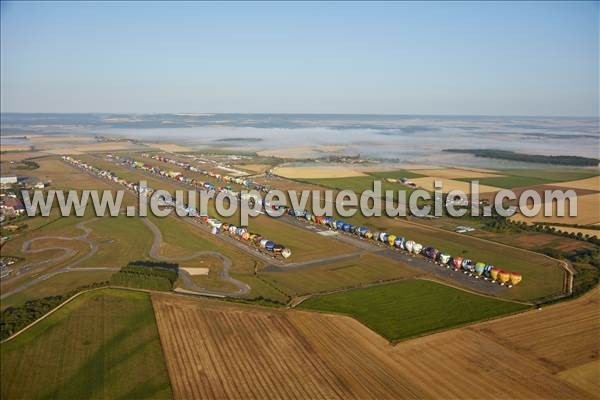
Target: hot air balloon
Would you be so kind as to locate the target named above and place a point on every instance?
(409, 246)
(486, 271)
(515, 278)
(399, 242)
(245, 236)
(479, 268)
(277, 248)
(263, 243)
(494, 274)
(286, 253)
(383, 237)
(269, 245)
(308, 216)
(417, 247)
(457, 262)
(391, 239)
(214, 230)
(369, 235)
(444, 258)
(467, 265)
(503, 277)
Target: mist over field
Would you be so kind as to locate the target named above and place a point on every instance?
(403, 138)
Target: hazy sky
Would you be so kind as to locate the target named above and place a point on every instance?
(394, 58)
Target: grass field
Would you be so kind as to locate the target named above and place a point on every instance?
(103, 345)
(361, 270)
(57, 285)
(410, 308)
(359, 184)
(531, 177)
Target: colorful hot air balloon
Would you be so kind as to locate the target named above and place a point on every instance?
(391, 239)
(457, 262)
(494, 273)
(515, 278)
(444, 258)
(369, 235)
(479, 268)
(503, 277)
(399, 242)
(467, 265)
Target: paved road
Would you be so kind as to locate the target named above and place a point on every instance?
(189, 283)
(67, 253)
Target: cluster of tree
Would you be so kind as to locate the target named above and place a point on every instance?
(533, 158)
(13, 319)
(27, 164)
(500, 224)
(147, 275)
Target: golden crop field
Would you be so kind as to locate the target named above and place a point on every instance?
(588, 212)
(592, 183)
(218, 350)
(428, 182)
(317, 172)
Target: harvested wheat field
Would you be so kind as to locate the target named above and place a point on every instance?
(216, 350)
(456, 173)
(537, 354)
(588, 213)
(428, 182)
(317, 172)
(220, 350)
(592, 183)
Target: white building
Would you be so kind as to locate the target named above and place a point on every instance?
(7, 180)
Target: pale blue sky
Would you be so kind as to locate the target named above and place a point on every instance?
(388, 58)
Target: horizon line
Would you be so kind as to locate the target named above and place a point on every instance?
(303, 113)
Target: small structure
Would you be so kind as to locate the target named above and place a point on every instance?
(8, 180)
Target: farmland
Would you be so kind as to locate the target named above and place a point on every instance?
(514, 178)
(237, 351)
(248, 352)
(361, 270)
(411, 308)
(104, 344)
